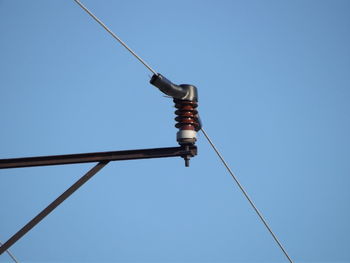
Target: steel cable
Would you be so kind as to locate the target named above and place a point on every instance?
(115, 36)
(203, 131)
(246, 195)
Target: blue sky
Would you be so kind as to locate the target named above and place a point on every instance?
(273, 80)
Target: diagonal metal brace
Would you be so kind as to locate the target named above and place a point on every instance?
(51, 206)
(103, 158)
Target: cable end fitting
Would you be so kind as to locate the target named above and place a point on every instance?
(183, 91)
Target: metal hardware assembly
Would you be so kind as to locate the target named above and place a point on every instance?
(186, 102)
(183, 91)
(185, 97)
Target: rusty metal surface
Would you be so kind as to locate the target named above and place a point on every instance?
(98, 157)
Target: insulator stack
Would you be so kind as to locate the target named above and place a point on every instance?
(185, 97)
(187, 121)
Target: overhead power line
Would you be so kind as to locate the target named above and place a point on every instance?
(205, 134)
(246, 195)
(115, 36)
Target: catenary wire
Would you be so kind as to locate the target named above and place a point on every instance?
(246, 195)
(10, 254)
(203, 131)
(115, 36)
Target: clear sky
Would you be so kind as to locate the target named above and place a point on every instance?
(274, 85)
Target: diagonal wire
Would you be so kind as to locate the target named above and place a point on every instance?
(246, 195)
(10, 254)
(205, 134)
(115, 36)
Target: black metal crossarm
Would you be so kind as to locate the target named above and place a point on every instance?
(183, 151)
(103, 158)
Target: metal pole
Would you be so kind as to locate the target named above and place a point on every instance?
(51, 206)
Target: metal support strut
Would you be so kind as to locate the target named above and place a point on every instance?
(52, 206)
(103, 158)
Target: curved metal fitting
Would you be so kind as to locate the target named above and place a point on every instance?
(182, 92)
